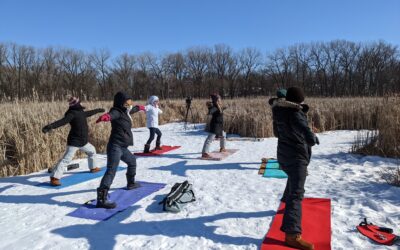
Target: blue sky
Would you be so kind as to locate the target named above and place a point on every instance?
(172, 25)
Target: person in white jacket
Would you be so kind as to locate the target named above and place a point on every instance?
(152, 111)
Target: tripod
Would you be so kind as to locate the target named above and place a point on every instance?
(188, 110)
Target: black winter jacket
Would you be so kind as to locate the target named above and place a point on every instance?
(217, 120)
(295, 137)
(121, 123)
(76, 117)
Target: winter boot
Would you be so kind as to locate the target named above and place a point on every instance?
(158, 146)
(146, 148)
(131, 182)
(295, 241)
(102, 201)
(94, 170)
(205, 156)
(55, 182)
(222, 150)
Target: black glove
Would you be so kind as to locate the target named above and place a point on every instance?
(46, 129)
(134, 109)
(305, 108)
(316, 140)
(100, 110)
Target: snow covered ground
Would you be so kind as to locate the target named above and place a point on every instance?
(234, 206)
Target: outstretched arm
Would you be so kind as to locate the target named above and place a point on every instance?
(67, 118)
(112, 115)
(137, 108)
(93, 112)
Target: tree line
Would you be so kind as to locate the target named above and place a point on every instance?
(335, 68)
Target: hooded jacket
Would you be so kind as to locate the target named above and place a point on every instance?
(217, 120)
(76, 117)
(152, 112)
(295, 137)
(121, 123)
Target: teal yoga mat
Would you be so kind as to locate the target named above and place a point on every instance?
(272, 170)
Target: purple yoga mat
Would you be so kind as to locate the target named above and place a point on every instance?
(124, 199)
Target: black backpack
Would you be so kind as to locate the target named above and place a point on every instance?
(178, 197)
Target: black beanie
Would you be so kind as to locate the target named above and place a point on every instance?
(295, 94)
(215, 97)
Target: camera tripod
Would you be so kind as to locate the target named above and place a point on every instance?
(188, 110)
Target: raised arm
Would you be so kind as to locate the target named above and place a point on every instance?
(93, 112)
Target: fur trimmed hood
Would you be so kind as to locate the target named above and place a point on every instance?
(281, 102)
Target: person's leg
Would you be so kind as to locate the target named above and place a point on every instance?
(285, 193)
(291, 223)
(207, 143)
(151, 138)
(222, 142)
(114, 153)
(93, 163)
(130, 160)
(158, 141)
(292, 217)
(59, 169)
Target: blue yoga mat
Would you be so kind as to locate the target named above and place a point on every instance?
(124, 199)
(77, 178)
(272, 170)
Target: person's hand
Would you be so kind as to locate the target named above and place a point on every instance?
(316, 140)
(46, 129)
(104, 118)
(209, 104)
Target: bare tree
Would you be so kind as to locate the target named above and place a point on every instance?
(99, 60)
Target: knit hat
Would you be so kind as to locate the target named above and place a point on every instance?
(281, 93)
(72, 101)
(295, 94)
(215, 97)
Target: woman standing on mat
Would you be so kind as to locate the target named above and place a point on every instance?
(216, 125)
(152, 110)
(117, 148)
(295, 140)
(77, 138)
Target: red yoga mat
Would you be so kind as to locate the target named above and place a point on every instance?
(158, 152)
(316, 225)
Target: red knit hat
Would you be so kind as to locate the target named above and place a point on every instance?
(72, 101)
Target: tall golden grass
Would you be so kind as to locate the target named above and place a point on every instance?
(385, 139)
(25, 149)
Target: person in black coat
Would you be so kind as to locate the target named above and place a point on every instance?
(117, 148)
(295, 140)
(77, 138)
(216, 125)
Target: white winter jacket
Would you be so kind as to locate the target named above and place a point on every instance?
(152, 112)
